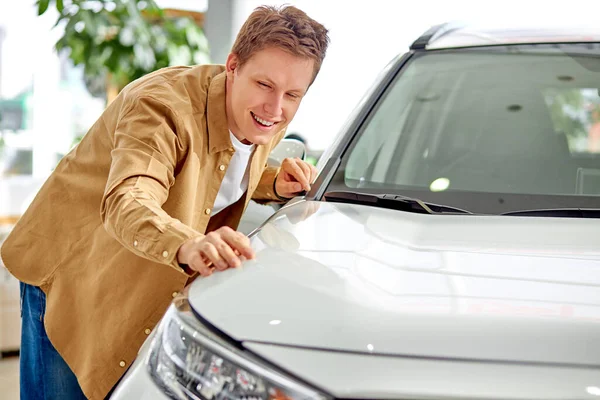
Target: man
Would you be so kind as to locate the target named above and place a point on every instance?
(150, 198)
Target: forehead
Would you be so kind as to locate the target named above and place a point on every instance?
(281, 68)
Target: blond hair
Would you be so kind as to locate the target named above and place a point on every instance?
(287, 28)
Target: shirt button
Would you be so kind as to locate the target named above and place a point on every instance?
(165, 254)
(207, 211)
(135, 243)
(147, 331)
(222, 167)
(175, 294)
(122, 364)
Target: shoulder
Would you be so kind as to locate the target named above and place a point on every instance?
(183, 90)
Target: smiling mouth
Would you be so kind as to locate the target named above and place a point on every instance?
(263, 122)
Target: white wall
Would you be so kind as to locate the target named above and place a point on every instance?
(59, 108)
(21, 43)
(29, 61)
(365, 35)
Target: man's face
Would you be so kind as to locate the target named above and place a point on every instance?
(264, 94)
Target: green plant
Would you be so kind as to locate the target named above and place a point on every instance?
(118, 41)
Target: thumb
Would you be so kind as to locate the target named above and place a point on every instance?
(289, 188)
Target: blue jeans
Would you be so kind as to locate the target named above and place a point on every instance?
(44, 373)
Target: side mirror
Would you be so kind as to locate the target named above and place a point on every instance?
(287, 148)
(256, 214)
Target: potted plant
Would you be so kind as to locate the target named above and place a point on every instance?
(118, 41)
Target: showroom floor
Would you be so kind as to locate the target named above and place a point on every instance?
(9, 378)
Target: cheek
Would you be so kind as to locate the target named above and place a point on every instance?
(245, 96)
(257, 99)
(242, 106)
(290, 110)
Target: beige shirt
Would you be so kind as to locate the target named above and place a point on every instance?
(101, 236)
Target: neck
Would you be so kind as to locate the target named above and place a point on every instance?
(241, 138)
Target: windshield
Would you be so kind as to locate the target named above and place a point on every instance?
(489, 129)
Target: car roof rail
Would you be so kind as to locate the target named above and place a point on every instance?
(433, 33)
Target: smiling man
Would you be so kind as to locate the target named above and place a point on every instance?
(151, 198)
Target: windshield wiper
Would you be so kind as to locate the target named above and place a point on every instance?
(558, 212)
(393, 201)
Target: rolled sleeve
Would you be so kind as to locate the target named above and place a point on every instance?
(144, 157)
(265, 192)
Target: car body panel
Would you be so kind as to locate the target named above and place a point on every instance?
(461, 287)
(468, 34)
(361, 376)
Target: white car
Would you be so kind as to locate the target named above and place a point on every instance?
(450, 248)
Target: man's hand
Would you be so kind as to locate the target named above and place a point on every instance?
(294, 177)
(223, 248)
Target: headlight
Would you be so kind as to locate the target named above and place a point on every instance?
(191, 363)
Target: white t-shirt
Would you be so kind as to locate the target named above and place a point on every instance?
(235, 181)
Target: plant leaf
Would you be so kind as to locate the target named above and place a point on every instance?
(125, 41)
(42, 6)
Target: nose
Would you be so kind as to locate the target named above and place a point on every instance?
(273, 105)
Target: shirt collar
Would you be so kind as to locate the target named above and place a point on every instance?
(216, 115)
(237, 145)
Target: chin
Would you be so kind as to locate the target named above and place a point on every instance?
(259, 140)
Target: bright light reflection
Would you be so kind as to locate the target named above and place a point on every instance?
(593, 390)
(370, 347)
(439, 185)
(275, 322)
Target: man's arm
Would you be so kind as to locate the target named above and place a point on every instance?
(145, 154)
(265, 190)
(141, 173)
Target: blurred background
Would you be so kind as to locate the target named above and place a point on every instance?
(62, 61)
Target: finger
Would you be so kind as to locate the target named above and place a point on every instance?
(198, 263)
(284, 177)
(306, 171)
(250, 254)
(240, 243)
(289, 189)
(227, 253)
(296, 172)
(210, 251)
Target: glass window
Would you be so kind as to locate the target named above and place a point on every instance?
(518, 119)
(576, 114)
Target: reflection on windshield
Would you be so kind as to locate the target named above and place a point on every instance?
(488, 121)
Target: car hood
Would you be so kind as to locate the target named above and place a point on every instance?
(360, 279)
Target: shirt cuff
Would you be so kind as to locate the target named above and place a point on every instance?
(164, 249)
(277, 194)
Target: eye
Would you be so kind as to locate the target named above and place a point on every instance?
(293, 96)
(262, 84)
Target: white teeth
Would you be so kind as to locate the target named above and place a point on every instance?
(262, 121)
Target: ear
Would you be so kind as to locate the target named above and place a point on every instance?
(232, 63)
